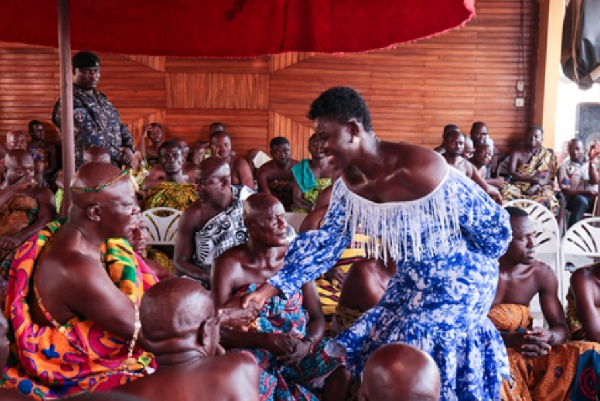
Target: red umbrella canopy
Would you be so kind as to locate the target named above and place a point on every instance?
(232, 28)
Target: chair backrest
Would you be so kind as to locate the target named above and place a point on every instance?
(547, 232)
(295, 220)
(580, 245)
(583, 239)
(161, 224)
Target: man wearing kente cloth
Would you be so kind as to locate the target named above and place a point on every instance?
(275, 177)
(532, 172)
(212, 224)
(24, 206)
(171, 188)
(311, 176)
(74, 321)
(542, 365)
(286, 339)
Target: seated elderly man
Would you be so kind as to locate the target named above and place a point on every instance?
(181, 329)
(287, 336)
(400, 372)
(25, 208)
(213, 223)
(543, 366)
(532, 171)
(168, 186)
(73, 312)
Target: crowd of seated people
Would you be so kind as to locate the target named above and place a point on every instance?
(92, 309)
(219, 245)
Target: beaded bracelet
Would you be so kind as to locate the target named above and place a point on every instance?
(131, 362)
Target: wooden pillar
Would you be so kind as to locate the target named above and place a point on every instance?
(66, 96)
(551, 14)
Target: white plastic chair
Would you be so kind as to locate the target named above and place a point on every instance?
(295, 219)
(580, 245)
(161, 224)
(547, 239)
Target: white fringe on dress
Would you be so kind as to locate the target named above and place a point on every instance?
(425, 226)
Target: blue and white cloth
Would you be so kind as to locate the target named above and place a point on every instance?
(446, 246)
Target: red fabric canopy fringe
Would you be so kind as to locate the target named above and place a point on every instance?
(232, 28)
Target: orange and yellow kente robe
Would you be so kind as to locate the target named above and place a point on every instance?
(568, 372)
(51, 362)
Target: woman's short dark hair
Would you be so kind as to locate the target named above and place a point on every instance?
(341, 103)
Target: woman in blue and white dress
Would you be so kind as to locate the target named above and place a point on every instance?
(441, 229)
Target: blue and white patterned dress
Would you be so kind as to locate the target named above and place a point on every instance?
(446, 246)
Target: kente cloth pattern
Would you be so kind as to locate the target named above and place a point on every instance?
(223, 231)
(47, 362)
(161, 258)
(446, 246)
(311, 195)
(544, 159)
(96, 123)
(284, 191)
(18, 213)
(575, 326)
(329, 292)
(170, 194)
(568, 372)
(344, 318)
(279, 382)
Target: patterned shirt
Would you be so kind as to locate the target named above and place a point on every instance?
(577, 175)
(96, 123)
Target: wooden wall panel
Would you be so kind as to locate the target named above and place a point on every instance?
(28, 87)
(217, 91)
(258, 65)
(413, 90)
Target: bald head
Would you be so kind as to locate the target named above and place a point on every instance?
(400, 372)
(104, 197)
(174, 308)
(257, 205)
(95, 174)
(96, 154)
(214, 166)
(16, 140)
(264, 218)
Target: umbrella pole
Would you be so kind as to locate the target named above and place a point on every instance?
(66, 96)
